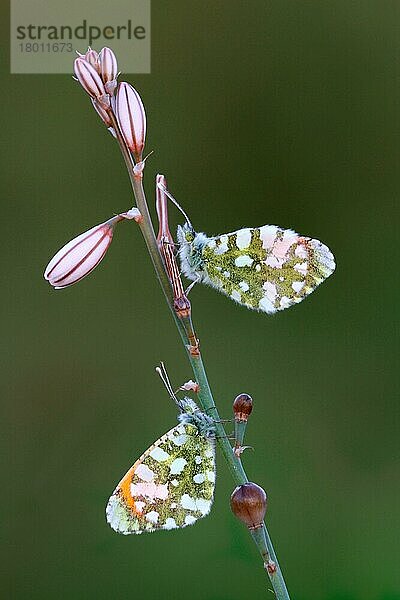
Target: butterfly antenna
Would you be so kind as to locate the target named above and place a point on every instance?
(178, 206)
(162, 372)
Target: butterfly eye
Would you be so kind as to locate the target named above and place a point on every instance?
(189, 236)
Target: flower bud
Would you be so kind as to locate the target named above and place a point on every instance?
(131, 119)
(81, 255)
(89, 78)
(242, 407)
(108, 69)
(249, 503)
(92, 57)
(103, 114)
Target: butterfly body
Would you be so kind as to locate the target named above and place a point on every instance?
(172, 484)
(264, 268)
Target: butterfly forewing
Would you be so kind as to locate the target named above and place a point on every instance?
(170, 486)
(266, 268)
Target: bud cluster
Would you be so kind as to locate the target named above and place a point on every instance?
(121, 109)
(97, 73)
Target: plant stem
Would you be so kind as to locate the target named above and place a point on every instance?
(205, 396)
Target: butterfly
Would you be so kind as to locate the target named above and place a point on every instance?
(172, 484)
(264, 268)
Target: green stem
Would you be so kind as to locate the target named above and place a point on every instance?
(184, 326)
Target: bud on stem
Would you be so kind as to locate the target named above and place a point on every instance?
(90, 80)
(81, 255)
(103, 114)
(131, 119)
(108, 69)
(242, 407)
(92, 57)
(249, 504)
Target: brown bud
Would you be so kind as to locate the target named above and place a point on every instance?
(242, 407)
(249, 503)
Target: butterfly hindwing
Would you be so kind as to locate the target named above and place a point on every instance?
(265, 268)
(171, 485)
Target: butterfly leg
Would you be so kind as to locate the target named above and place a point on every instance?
(238, 450)
(191, 286)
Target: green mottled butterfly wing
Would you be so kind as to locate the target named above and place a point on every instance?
(265, 268)
(171, 485)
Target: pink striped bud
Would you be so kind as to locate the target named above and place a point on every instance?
(103, 114)
(131, 119)
(81, 255)
(89, 79)
(92, 57)
(108, 69)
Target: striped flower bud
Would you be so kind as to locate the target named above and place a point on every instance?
(249, 504)
(81, 255)
(92, 57)
(108, 69)
(242, 407)
(89, 78)
(103, 114)
(131, 119)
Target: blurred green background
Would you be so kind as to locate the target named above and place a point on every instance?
(280, 112)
